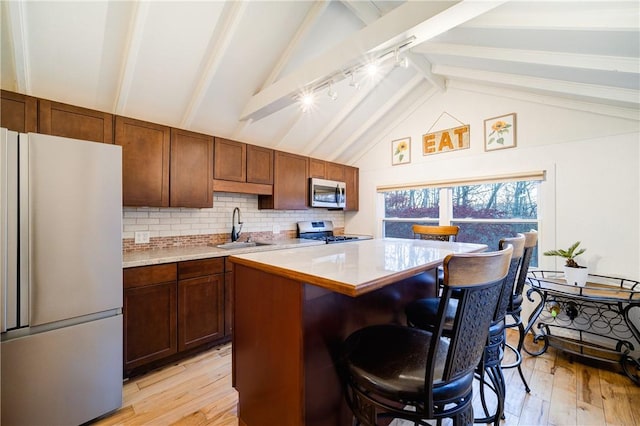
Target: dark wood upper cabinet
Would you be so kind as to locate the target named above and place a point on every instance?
(290, 183)
(242, 168)
(18, 112)
(351, 175)
(70, 121)
(317, 168)
(335, 172)
(145, 162)
(191, 170)
(230, 160)
(259, 165)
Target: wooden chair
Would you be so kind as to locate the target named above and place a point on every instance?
(393, 371)
(433, 232)
(423, 313)
(437, 233)
(514, 310)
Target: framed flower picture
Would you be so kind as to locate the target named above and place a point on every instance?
(401, 151)
(500, 132)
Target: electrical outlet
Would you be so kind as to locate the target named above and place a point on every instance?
(142, 237)
(276, 229)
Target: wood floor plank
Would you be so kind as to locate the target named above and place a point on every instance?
(617, 409)
(535, 411)
(589, 415)
(197, 391)
(588, 385)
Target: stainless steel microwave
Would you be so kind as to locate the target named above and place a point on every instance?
(327, 193)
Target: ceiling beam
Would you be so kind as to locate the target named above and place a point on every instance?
(218, 45)
(377, 116)
(366, 11)
(558, 59)
(342, 115)
(422, 20)
(393, 125)
(547, 100)
(569, 15)
(131, 53)
(310, 19)
(544, 85)
(16, 19)
(423, 66)
(285, 130)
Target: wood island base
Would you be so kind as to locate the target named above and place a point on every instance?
(286, 340)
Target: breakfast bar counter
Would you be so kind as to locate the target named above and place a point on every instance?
(294, 307)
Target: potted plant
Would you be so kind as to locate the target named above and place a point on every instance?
(573, 273)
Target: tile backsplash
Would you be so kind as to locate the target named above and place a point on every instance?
(171, 227)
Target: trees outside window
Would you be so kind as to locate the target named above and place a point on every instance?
(484, 212)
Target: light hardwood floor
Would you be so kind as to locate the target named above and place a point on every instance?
(198, 391)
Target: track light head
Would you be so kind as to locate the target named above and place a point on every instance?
(306, 101)
(333, 95)
(353, 83)
(402, 62)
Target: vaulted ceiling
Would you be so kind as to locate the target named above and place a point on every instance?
(237, 69)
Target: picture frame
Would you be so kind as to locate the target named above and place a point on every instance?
(401, 151)
(500, 132)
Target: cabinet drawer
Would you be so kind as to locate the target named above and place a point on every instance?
(147, 275)
(198, 268)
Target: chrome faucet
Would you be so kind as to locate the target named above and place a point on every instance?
(235, 234)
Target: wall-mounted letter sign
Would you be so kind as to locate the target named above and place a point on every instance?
(445, 140)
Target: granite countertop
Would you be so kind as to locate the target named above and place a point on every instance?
(177, 254)
(355, 268)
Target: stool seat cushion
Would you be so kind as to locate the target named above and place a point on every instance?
(390, 360)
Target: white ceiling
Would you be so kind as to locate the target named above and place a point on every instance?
(234, 69)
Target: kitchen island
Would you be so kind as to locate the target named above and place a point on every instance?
(293, 308)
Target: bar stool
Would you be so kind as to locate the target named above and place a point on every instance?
(437, 233)
(421, 314)
(514, 310)
(393, 371)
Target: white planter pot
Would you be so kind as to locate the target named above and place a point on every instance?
(576, 276)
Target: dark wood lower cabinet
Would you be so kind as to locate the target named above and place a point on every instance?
(174, 310)
(150, 324)
(200, 311)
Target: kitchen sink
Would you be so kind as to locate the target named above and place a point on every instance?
(240, 244)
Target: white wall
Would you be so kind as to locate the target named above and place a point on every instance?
(592, 161)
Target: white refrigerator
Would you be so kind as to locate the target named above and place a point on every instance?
(60, 279)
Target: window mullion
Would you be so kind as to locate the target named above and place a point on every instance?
(446, 206)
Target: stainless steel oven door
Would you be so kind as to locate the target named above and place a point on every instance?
(327, 193)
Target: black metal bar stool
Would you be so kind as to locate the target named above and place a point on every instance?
(514, 310)
(422, 313)
(393, 371)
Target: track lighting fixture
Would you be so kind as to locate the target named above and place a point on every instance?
(333, 95)
(402, 62)
(353, 83)
(370, 70)
(307, 100)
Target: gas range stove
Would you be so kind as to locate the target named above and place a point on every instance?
(322, 230)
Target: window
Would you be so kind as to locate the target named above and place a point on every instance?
(485, 212)
(410, 204)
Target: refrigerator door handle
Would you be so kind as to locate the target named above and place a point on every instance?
(9, 223)
(4, 252)
(24, 230)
